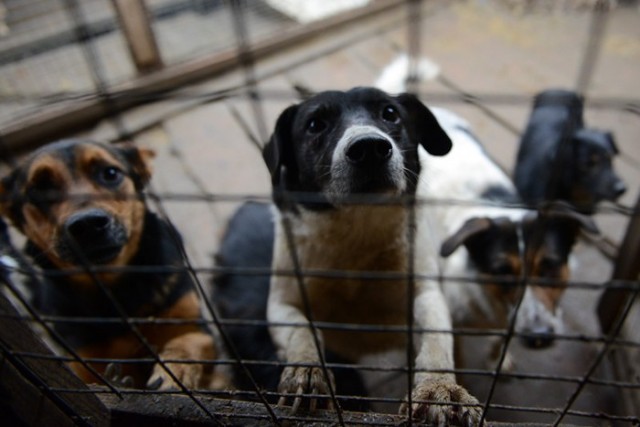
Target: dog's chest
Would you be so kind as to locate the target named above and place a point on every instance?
(361, 263)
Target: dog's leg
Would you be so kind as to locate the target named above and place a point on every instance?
(434, 353)
(296, 345)
(184, 342)
(190, 347)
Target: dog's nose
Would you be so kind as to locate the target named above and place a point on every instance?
(88, 226)
(619, 188)
(369, 151)
(539, 337)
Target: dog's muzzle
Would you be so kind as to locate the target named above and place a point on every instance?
(91, 236)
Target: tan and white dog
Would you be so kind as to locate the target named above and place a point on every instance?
(343, 165)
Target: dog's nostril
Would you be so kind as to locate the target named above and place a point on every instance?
(369, 150)
(383, 149)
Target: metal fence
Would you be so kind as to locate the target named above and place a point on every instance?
(69, 61)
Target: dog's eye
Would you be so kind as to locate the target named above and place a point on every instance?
(110, 175)
(390, 114)
(316, 126)
(549, 266)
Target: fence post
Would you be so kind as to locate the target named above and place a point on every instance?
(141, 40)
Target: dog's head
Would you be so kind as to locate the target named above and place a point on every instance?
(337, 144)
(537, 245)
(595, 179)
(549, 239)
(494, 249)
(76, 201)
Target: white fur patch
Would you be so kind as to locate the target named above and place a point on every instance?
(393, 78)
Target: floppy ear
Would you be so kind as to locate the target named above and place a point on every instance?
(427, 129)
(470, 228)
(279, 152)
(140, 160)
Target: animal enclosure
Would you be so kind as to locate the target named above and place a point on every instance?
(202, 82)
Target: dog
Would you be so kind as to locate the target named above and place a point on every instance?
(79, 204)
(560, 159)
(240, 292)
(325, 154)
(478, 206)
(480, 209)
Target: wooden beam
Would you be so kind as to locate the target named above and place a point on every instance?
(39, 375)
(136, 25)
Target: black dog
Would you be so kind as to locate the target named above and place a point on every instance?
(241, 292)
(556, 140)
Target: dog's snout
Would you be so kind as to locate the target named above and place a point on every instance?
(539, 337)
(618, 188)
(85, 226)
(369, 151)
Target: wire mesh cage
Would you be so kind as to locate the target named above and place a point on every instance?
(202, 83)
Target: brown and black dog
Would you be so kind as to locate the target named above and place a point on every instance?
(104, 254)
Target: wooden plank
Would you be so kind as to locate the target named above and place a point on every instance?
(168, 410)
(17, 336)
(58, 120)
(24, 404)
(613, 301)
(141, 40)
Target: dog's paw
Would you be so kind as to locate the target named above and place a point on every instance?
(113, 373)
(187, 374)
(443, 404)
(297, 380)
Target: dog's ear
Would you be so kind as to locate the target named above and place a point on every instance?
(140, 160)
(612, 142)
(427, 129)
(279, 152)
(469, 229)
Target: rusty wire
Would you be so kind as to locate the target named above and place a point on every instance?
(249, 89)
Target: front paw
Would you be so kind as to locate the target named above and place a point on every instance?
(431, 403)
(188, 375)
(298, 380)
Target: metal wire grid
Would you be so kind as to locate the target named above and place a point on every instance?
(256, 97)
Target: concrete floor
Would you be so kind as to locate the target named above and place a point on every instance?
(483, 48)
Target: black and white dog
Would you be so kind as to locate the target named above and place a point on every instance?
(487, 237)
(560, 159)
(325, 151)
